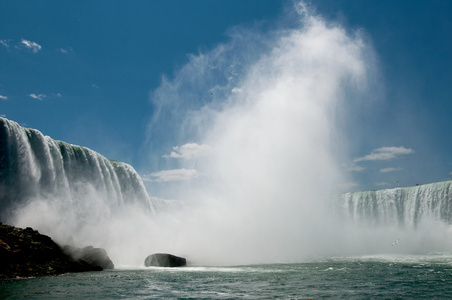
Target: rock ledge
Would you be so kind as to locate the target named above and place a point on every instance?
(27, 253)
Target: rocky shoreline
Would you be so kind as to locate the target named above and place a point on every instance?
(27, 253)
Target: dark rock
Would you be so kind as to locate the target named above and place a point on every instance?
(164, 260)
(93, 256)
(27, 253)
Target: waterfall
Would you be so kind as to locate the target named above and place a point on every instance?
(75, 178)
(400, 206)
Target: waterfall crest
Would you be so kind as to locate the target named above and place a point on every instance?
(34, 166)
(400, 206)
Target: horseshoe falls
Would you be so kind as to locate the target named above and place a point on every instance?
(406, 220)
(76, 195)
(404, 207)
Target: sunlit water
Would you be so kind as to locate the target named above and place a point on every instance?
(372, 277)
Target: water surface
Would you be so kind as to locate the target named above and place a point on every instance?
(371, 277)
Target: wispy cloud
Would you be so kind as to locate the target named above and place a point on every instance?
(381, 183)
(171, 175)
(355, 168)
(387, 170)
(37, 97)
(65, 50)
(4, 43)
(3, 97)
(385, 153)
(34, 47)
(187, 151)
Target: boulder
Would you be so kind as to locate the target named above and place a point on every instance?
(164, 260)
(93, 256)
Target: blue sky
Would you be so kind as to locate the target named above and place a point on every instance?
(115, 76)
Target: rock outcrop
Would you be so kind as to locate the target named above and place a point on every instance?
(164, 260)
(27, 253)
(93, 256)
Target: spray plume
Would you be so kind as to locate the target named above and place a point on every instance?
(265, 109)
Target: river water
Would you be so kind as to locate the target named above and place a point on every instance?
(364, 277)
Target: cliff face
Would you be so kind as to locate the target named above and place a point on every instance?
(27, 253)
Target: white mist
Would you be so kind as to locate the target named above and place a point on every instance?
(274, 146)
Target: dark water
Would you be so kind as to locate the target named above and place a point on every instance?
(374, 277)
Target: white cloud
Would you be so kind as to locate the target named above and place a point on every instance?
(171, 175)
(3, 116)
(387, 170)
(35, 47)
(65, 50)
(4, 43)
(188, 151)
(381, 183)
(3, 97)
(37, 97)
(385, 153)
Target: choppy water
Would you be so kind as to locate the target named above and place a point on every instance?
(373, 277)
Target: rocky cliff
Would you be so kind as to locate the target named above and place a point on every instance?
(27, 253)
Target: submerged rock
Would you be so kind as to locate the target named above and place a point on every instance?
(27, 253)
(164, 260)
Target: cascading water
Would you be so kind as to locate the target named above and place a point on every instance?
(34, 165)
(399, 206)
(61, 188)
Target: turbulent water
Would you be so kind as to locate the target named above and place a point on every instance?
(373, 277)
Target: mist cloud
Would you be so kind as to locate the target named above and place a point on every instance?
(266, 105)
